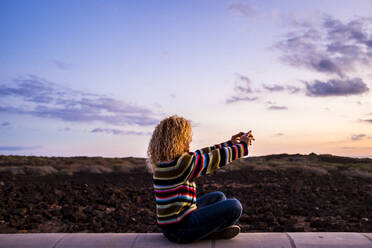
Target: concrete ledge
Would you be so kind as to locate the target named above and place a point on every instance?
(142, 240)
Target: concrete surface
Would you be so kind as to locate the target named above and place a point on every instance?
(142, 240)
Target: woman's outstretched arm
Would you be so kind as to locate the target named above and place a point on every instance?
(202, 164)
(234, 140)
(191, 165)
(214, 147)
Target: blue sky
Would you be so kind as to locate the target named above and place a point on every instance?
(94, 77)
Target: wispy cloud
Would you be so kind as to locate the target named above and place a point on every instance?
(276, 107)
(18, 148)
(278, 135)
(332, 47)
(118, 131)
(368, 120)
(61, 65)
(336, 87)
(41, 98)
(358, 136)
(243, 90)
(273, 88)
(280, 88)
(233, 99)
(5, 123)
(355, 147)
(242, 9)
(247, 84)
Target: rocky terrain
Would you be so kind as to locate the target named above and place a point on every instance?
(279, 193)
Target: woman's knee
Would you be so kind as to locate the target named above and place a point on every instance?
(235, 207)
(219, 195)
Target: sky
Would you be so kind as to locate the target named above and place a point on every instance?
(93, 78)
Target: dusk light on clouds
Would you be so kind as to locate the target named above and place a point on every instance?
(93, 78)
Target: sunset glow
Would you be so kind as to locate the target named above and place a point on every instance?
(93, 78)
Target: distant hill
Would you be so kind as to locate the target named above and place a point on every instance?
(318, 163)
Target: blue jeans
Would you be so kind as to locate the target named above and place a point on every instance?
(214, 213)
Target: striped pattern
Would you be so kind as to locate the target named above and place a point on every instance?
(175, 191)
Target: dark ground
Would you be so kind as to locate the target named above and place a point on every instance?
(273, 201)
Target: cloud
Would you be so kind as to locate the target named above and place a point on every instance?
(41, 98)
(336, 87)
(61, 65)
(293, 89)
(355, 147)
(18, 148)
(369, 120)
(118, 131)
(279, 88)
(273, 88)
(242, 90)
(358, 137)
(31, 89)
(241, 99)
(278, 134)
(331, 47)
(5, 123)
(275, 107)
(353, 30)
(328, 46)
(242, 9)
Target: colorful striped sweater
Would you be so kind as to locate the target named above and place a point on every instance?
(175, 191)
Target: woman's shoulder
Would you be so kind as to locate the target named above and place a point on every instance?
(166, 163)
(174, 161)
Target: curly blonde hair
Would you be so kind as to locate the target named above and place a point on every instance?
(171, 137)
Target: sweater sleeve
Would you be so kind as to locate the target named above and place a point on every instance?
(208, 149)
(205, 163)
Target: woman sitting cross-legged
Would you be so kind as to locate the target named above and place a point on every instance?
(182, 217)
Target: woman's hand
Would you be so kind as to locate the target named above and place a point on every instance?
(235, 139)
(247, 138)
